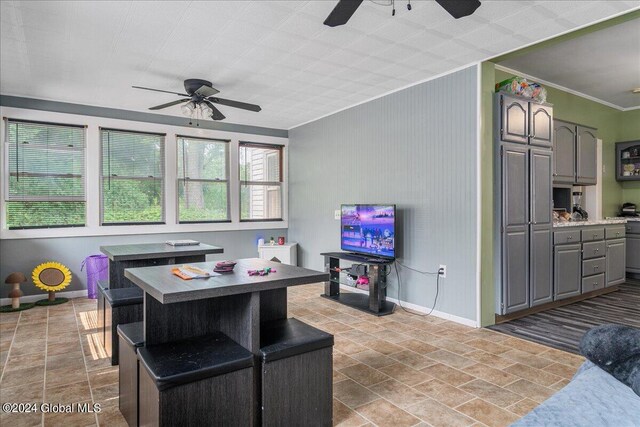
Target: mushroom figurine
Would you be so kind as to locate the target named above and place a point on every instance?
(15, 279)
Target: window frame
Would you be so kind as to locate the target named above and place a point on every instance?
(227, 179)
(279, 183)
(6, 174)
(162, 161)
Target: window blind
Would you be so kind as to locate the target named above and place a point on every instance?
(203, 184)
(132, 177)
(44, 176)
(260, 182)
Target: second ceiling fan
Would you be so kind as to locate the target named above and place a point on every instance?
(346, 8)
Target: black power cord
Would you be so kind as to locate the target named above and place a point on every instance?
(435, 300)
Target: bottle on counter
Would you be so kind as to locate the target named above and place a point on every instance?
(272, 241)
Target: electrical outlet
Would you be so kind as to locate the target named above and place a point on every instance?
(337, 214)
(442, 271)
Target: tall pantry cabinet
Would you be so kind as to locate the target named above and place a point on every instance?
(524, 133)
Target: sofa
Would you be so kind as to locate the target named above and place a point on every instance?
(602, 393)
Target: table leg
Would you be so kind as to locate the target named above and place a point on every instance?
(332, 287)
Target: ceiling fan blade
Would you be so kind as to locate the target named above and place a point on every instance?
(459, 8)
(205, 91)
(217, 114)
(235, 104)
(159, 90)
(168, 104)
(342, 12)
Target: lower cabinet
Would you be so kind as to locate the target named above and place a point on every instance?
(616, 265)
(633, 251)
(567, 272)
(541, 276)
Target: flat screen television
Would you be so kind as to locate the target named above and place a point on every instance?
(369, 230)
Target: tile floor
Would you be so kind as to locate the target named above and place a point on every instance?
(397, 370)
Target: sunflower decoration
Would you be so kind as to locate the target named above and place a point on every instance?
(51, 277)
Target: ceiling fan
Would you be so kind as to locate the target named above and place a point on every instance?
(346, 8)
(200, 96)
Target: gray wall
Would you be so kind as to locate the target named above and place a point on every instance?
(416, 148)
(25, 254)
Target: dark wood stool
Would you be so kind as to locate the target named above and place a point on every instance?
(130, 337)
(297, 376)
(121, 306)
(103, 285)
(204, 381)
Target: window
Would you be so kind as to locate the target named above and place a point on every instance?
(203, 184)
(132, 177)
(44, 175)
(260, 182)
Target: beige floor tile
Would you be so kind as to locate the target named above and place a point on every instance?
(344, 416)
(487, 373)
(488, 346)
(559, 385)
(382, 346)
(523, 407)
(520, 356)
(364, 374)
(413, 359)
(347, 346)
(564, 371)
(490, 359)
(383, 414)
(353, 394)
(25, 393)
(397, 393)
(334, 327)
(103, 377)
(64, 375)
(20, 420)
(418, 346)
(524, 345)
(25, 361)
(491, 393)
(22, 376)
(342, 360)
(106, 395)
(487, 413)
(373, 358)
(438, 415)
(111, 417)
(405, 374)
(531, 390)
(451, 359)
(532, 374)
(357, 336)
(443, 392)
(77, 419)
(448, 374)
(76, 392)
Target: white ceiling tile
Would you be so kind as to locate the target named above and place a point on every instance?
(276, 53)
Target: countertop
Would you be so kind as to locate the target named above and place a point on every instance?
(167, 288)
(627, 218)
(608, 221)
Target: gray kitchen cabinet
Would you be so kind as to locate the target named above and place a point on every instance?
(586, 156)
(564, 152)
(514, 120)
(541, 234)
(633, 248)
(515, 228)
(616, 256)
(541, 125)
(567, 277)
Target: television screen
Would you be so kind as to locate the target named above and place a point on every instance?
(369, 229)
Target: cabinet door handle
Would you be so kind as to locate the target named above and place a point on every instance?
(595, 267)
(569, 237)
(597, 249)
(595, 236)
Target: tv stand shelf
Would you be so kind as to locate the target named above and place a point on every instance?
(374, 303)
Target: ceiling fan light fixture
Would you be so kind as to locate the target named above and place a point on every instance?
(206, 111)
(188, 109)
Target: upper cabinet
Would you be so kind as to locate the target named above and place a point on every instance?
(574, 154)
(628, 161)
(525, 122)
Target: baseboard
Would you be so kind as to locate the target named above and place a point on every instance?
(420, 309)
(38, 297)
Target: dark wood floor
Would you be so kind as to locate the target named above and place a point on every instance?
(563, 327)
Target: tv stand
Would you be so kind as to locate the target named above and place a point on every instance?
(376, 302)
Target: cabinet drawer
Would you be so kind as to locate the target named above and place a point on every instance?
(592, 234)
(592, 283)
(566, 236)
(615, 232)
(633, 227)
(593, 250)
(593, 266)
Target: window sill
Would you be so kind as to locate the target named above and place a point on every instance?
(41, 233)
